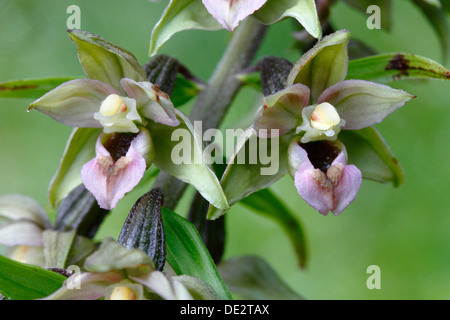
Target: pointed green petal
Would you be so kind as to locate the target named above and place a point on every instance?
(367, 149)
(104, 61)
(322, 66)
(363, 103)
(75, 102)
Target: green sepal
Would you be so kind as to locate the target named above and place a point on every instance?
(367, 150)
(104, 61)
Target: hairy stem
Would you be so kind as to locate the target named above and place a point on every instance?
(213, 102)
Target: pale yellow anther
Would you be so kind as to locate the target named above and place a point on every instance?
(324, 117)
(122, 293)
(112, 105)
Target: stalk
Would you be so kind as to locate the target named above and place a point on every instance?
(213, 102)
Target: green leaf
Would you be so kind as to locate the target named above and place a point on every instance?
(57, 246)
(245, 174)
(178, 16)
(104, 61)
(184, 91)
(304, 11)
(323, 66)
(30, 88)
(268, 204)
(20, 281)
(439, 21)
(187, 254)
(384, 5)
(385, 68)
(193, 169)
(80, 148)
(367, 149)
(252, 278)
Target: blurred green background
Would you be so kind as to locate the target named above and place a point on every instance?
(405, 231)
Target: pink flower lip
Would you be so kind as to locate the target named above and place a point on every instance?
(322, 177)
(112, 174)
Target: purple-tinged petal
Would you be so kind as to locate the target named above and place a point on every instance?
(110, 180)
(20, 232)
(363, 103)
(166, 287)
(332, 190)
(152, 102)
(282, 110)
(26, 254)
(85, 286)
(74, 102)
(312, 184)
(346, 190)
(230, 12)
(18, 207)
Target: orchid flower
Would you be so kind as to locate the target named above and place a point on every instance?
(230, 12)
(316, 104)
(22, 222)
(111, 173)
(117, 99)
(116, 273)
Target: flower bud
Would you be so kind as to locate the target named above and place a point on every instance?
(122, 293)
(274, 74)
(143, 229)
(162, 71)
(80, 211)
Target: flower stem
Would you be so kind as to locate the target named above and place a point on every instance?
(213, 102)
